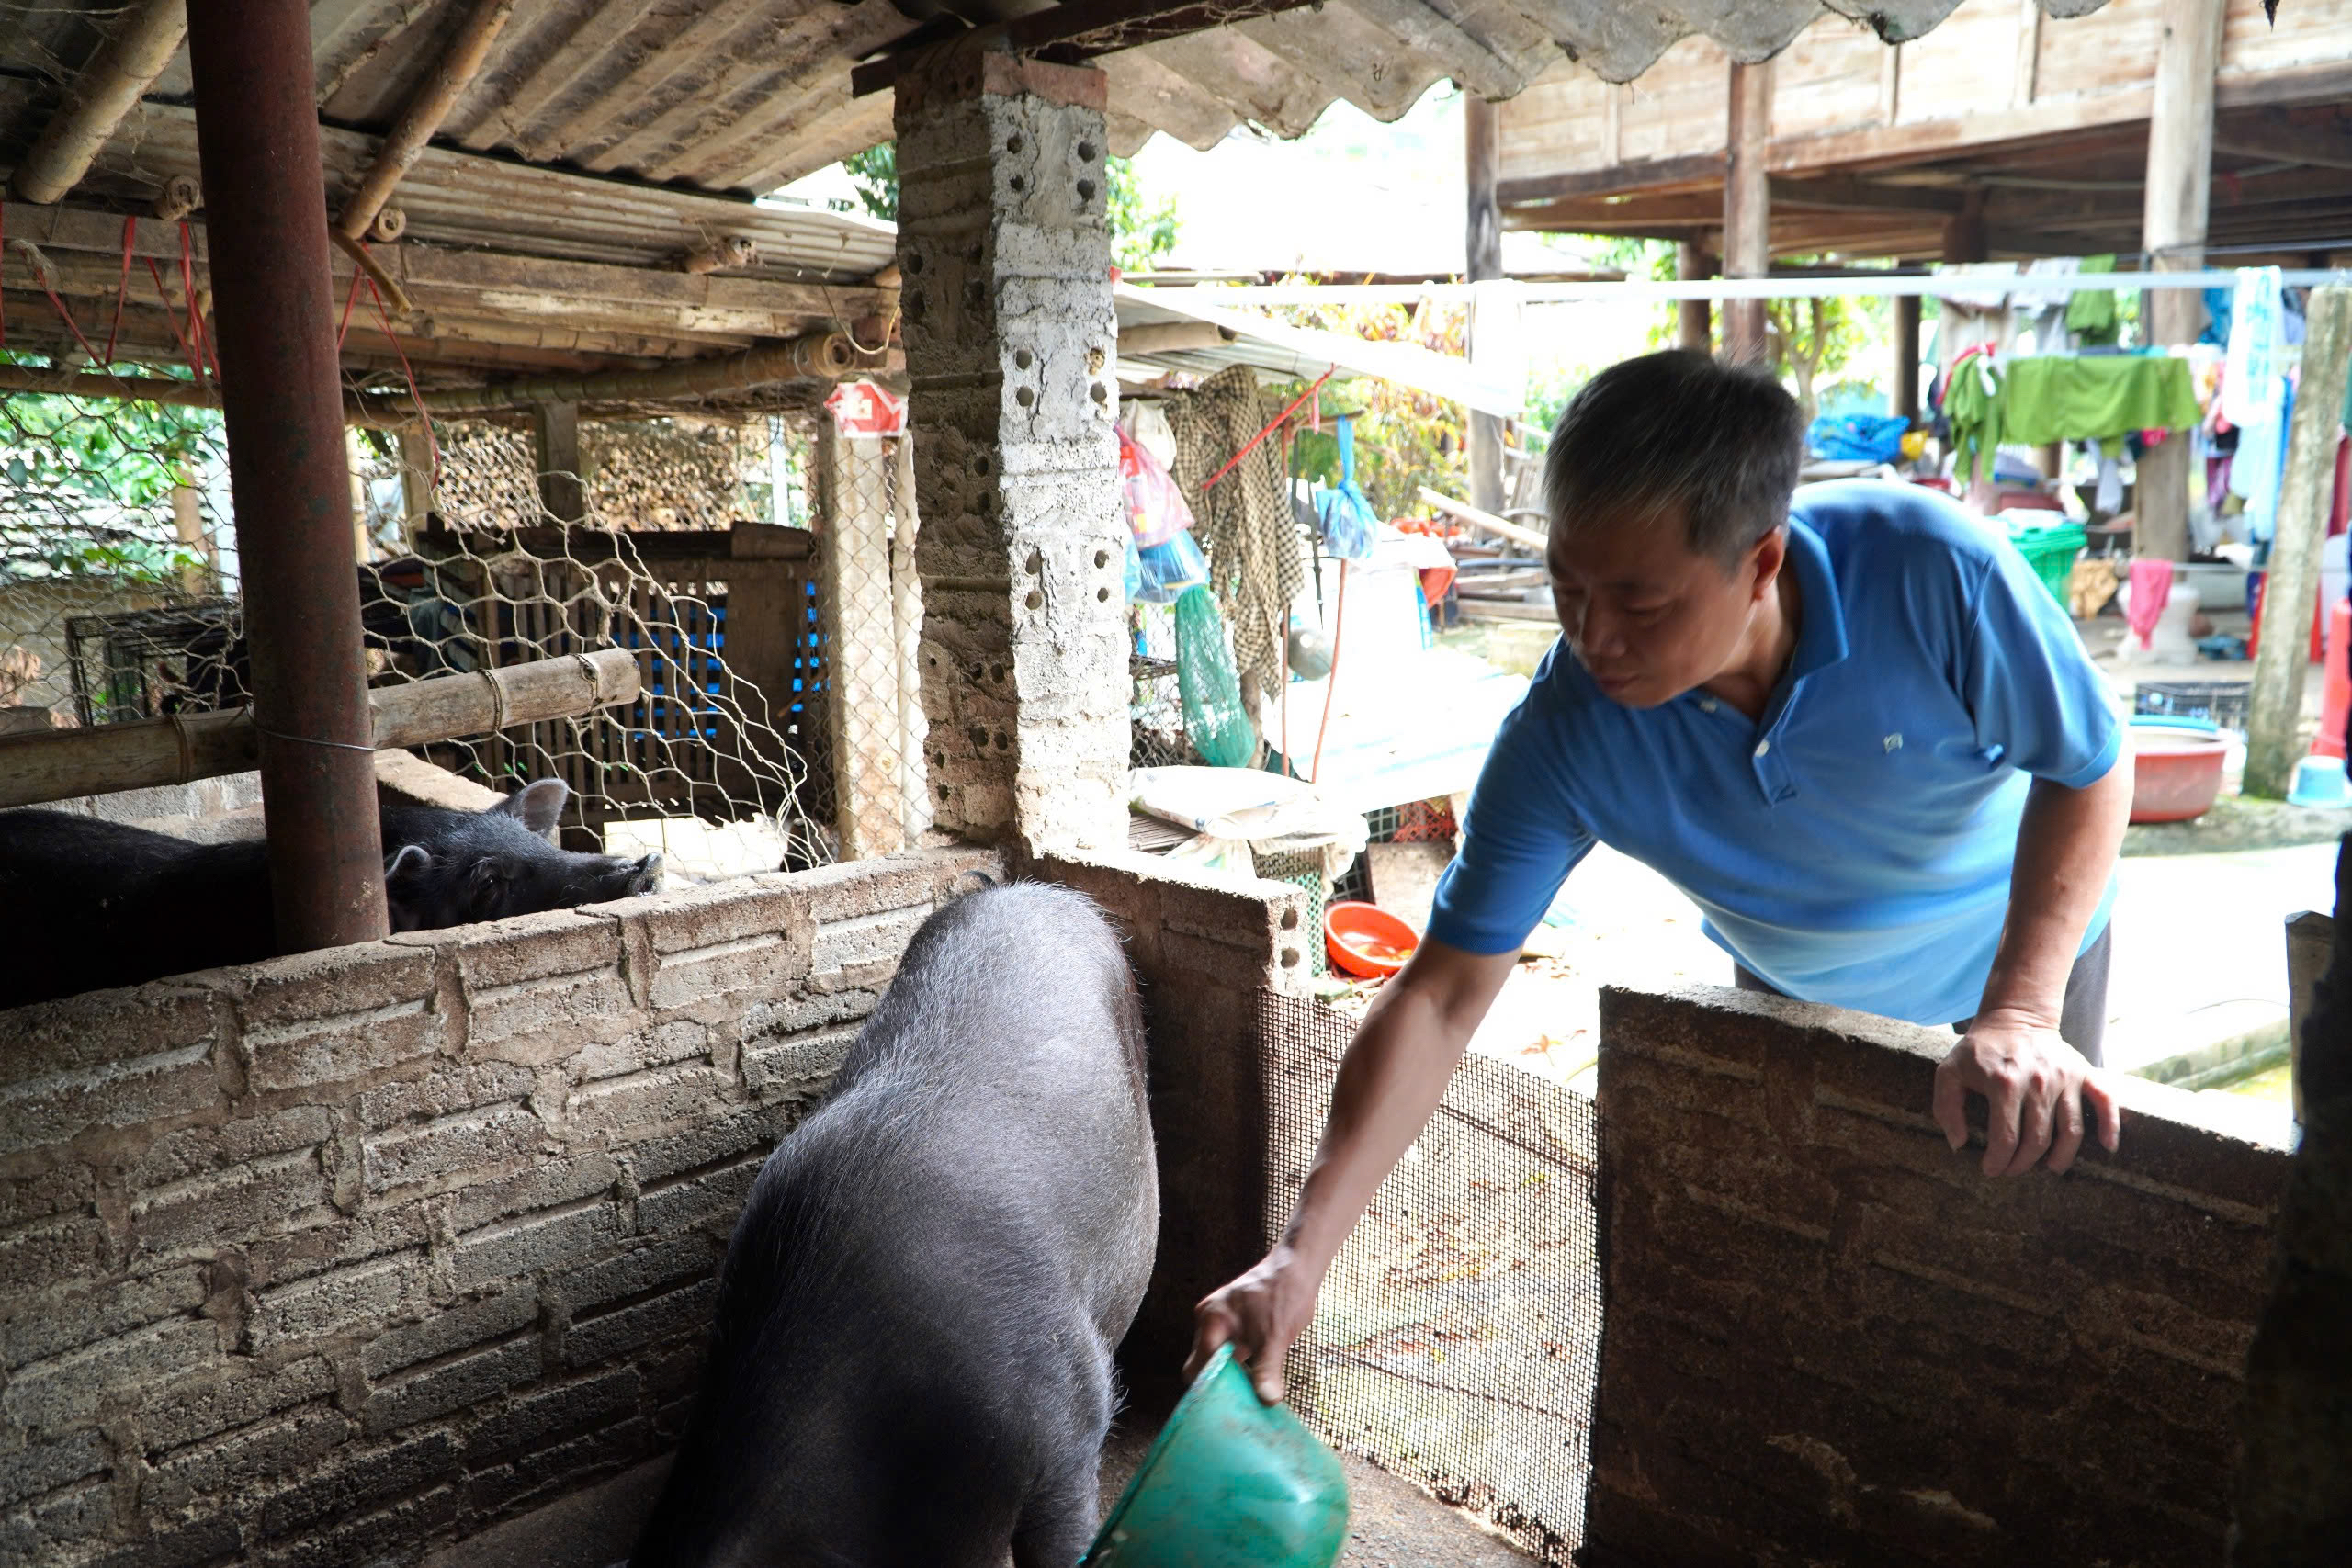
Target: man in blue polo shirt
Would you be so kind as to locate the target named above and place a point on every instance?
(1849, 722)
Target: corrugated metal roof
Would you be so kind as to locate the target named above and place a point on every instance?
(743, 96)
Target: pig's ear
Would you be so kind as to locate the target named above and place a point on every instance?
(536, 804)
(405, 865)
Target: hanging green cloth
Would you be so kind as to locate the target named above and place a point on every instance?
(1973, 410)
(2066, 398)
(1214, 721)
(2091, 316)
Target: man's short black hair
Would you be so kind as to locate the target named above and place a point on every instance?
(1678, 432)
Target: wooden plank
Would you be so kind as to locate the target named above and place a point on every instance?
(1834, 194)
(555, 448)
(2275, 705)
(1661, 176)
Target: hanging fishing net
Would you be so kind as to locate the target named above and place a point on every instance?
(1215, 720)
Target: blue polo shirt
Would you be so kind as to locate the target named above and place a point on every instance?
(1853, 847)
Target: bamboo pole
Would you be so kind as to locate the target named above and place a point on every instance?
(2275, 707)
(64, 763)
(380, 413)
(1486, 521)
(423, 116)
(815, 356)
(117, 77)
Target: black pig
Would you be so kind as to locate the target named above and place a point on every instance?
(86, 903)
(912, 1362)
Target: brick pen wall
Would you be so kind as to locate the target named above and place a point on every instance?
(331, 1259)
(1830, 1339)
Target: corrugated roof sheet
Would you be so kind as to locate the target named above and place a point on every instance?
(743, 96)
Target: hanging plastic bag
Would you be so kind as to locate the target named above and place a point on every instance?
(1171, 570)
(1214, 721)
(1133, 572)
(1350, 526)
(1157, 510)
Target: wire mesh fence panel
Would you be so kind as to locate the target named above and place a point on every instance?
(119, 598)
(1155, 703)
(1456, 1338)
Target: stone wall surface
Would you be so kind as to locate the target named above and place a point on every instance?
(337, 1258)
(1830, 1339)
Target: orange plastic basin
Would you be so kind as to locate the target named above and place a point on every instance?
(1366, 939)
(2176, 773)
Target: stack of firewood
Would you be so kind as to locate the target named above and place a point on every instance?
(670, 474)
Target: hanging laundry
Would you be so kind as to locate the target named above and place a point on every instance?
(1244, 521)
(2045, 315)
(2108, 497)
(2091, 318)
(2260, 462)
(2151, 592)
(1972, 404)
(2070, 397)
(2250, 378)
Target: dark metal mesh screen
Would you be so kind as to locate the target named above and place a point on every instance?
(1457, 1337)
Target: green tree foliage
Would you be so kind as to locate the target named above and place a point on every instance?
(1141, 230)
(129, 454)
(1404, 439)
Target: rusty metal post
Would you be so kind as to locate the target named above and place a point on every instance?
(257, 133)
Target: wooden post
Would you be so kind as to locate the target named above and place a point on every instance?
(2275, 706)
(1747, 212)
(203, 569)
(1907, 357)
(417, 482)
(555, 444)
(861, 645)
(1483, 243)
(1694, 323)
(2172, 230)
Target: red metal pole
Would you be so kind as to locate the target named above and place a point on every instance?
(266, 219)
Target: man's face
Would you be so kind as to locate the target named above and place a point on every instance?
(1648, 619)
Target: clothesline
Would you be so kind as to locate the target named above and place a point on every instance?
(2047, 286)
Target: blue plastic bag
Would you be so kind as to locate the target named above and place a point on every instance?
(1134, 571)
(1857, 437)
(1170, 570)
(1349, 527)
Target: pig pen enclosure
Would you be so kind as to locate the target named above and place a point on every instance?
(120, 600)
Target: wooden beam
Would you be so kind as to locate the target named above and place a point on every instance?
(1747, 206)
(2271, 134)
(2178, 196)
(1838, 195)
(1649, 175)
(426, 108)
(1173, 337)
(2275, 704)
(106, 88)
(1483, 520)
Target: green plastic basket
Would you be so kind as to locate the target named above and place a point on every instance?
(1230, 1481)
(2051, 551)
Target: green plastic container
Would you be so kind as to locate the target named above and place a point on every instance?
(1229, 1483)
(2051, 551)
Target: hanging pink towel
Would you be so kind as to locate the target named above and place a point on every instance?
(2151, 590)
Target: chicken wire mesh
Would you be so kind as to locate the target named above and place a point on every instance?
(120, 600)
(1457, 1335)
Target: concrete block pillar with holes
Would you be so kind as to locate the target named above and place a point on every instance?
(1005, 253)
